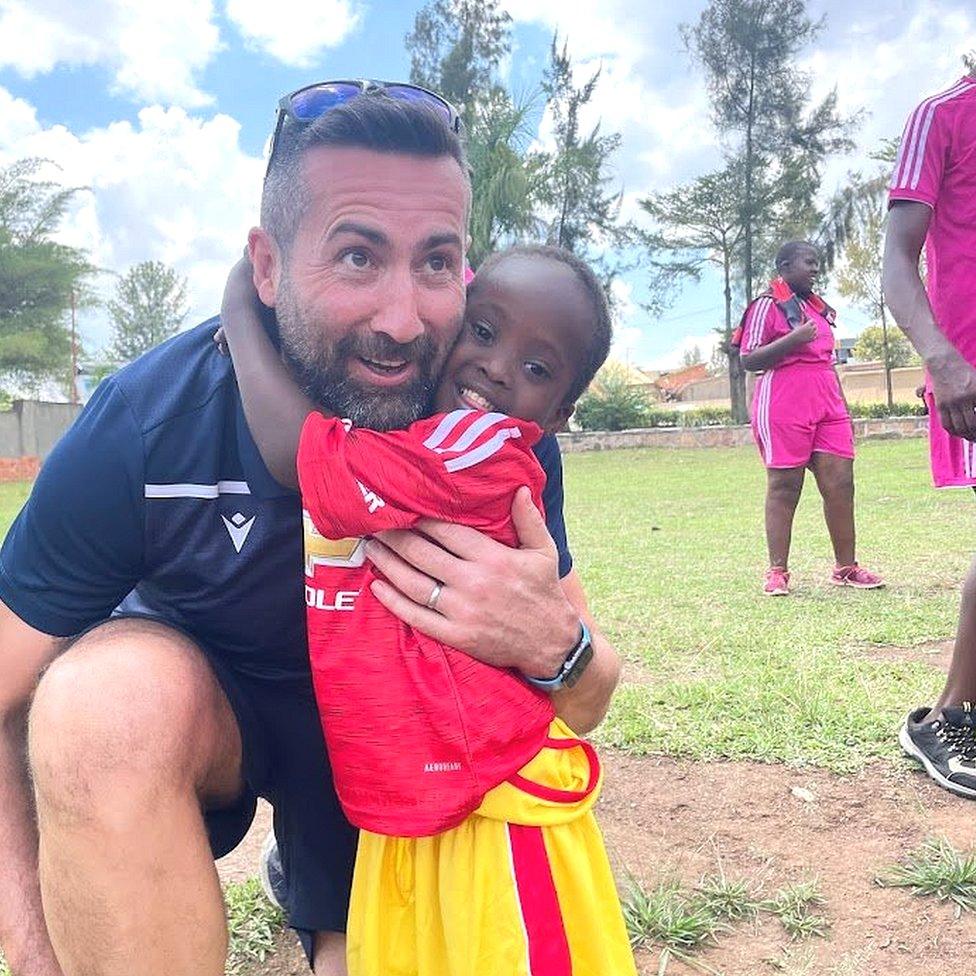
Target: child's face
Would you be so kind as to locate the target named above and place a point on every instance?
(527, 326)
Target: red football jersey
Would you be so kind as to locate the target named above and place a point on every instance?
(417, 732)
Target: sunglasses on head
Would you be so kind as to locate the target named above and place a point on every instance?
(313, 101)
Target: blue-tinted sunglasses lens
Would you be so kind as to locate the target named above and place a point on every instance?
(313, 102)
(404, 93)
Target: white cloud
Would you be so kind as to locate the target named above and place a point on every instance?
(295, 32)
(154, 50)
(656, 104)
(888, 63)
(172, 188)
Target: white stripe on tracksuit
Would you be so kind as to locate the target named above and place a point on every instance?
(911, 152)
(755, 322)
(763, 428)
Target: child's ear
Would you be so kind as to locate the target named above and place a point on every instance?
(265, 260)
(560, 419)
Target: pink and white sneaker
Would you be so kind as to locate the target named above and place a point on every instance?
(856, 576)
(776, 582)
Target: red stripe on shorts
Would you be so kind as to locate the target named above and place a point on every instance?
(544, 930)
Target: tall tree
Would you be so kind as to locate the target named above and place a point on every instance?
(149, 306)
(701, 223)
(969, 60)
(577, 187)
(760, 103)
(505, 177)
(39, 277)
(860, 277)
(455, 48)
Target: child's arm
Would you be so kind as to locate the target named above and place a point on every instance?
(274, 406)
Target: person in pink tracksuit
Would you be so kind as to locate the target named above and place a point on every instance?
(799, 416)
(932, 201)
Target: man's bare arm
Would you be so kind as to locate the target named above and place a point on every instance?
(504, 606)
(23, 935)
(953, 379)
(274, 406)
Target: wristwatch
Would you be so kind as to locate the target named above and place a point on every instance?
(572, 668)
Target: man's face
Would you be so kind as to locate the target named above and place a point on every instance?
(370, 295)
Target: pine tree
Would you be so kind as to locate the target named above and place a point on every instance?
(149, 306)
(39, 277)
(760, 103)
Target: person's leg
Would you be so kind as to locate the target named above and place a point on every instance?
(835, 479)
(783, 487)
(330, 954)
(960, 684)
(130, 736)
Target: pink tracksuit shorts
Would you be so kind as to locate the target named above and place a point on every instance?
(798, 410)
(953, 460)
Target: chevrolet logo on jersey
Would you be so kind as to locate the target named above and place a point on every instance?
(320, 551)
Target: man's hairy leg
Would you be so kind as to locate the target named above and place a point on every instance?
(129, 734)
(960, 685)
(330, 954)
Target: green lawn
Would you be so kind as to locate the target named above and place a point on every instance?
(12, 497)
(670, 546)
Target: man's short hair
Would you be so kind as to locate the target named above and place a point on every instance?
(790, 250)
(370, 121)
(599, 346)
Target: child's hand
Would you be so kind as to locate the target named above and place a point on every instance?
(239, 294)
(221, 342)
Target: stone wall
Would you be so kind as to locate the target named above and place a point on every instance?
(676, 437)
(31, 428)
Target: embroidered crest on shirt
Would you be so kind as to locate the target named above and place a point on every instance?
(320, 551)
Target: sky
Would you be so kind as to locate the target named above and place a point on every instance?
(161, 113)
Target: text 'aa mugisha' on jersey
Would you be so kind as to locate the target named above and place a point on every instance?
(157, 501)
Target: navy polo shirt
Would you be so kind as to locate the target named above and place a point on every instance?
(157, 501)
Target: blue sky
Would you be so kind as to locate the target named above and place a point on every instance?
(162, 111)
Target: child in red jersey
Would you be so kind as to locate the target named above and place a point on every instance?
(479, 853)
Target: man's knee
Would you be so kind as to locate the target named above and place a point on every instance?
(131, 703)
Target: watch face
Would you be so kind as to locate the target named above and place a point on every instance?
(575, 671)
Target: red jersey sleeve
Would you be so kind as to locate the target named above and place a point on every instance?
(762, 323)
(459, 467)
(922, 154)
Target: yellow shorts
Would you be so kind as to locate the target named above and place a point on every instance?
(521, 888)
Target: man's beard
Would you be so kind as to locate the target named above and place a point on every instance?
(320, 366)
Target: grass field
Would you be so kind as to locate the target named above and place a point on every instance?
(670, 546)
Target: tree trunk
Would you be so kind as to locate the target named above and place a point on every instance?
(887, 356)
(737, 376)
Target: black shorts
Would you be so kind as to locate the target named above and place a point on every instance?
(284, 761)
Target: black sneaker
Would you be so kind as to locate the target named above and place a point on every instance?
(945, 747)
(270, 873)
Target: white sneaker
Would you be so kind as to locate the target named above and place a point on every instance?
(270, 875)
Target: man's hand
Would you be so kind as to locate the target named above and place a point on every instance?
(503, 606)
(954, 387)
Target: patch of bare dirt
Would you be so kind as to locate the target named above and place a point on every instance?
(936, 653)
(662, 817)
(666, 818)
